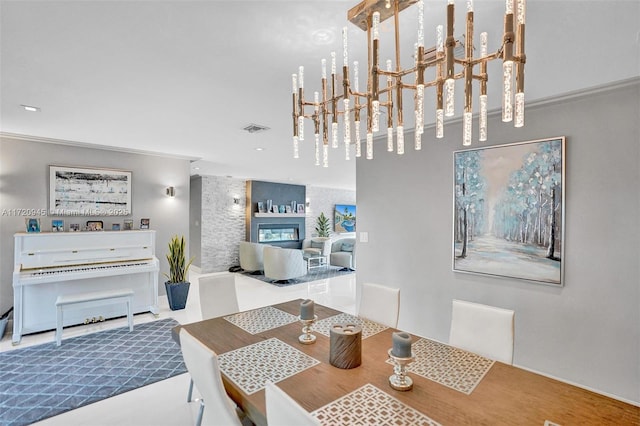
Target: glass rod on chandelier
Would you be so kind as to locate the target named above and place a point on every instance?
(317, 149)
(400, 140)
(325, 155)
(356, 131)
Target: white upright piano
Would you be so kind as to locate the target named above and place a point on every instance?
(59, 263)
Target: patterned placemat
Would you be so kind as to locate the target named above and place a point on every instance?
(449, 366)
(369, 328)
(272, 360)
(369, 405)
(261, 319)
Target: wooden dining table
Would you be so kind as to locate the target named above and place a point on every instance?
(450, 386)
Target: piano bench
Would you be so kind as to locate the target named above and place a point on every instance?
(88, 300)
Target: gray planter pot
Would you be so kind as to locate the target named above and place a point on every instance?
(4, 319)
(3, 326)
(177, 294)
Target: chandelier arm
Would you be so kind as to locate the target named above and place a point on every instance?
(520, 58)
(450, 43)
(324, 112)
(316, 123)
(345, 82)
(431, 83)
(496, 55)
(508, 38)
(333, 99)
(419, 67)
(468, 66)
(386, 89)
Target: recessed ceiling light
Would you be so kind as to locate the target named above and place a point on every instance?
(259, 149)
(30, 108)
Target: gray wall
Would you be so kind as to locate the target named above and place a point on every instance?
(278, 193)
(24, 184)
(587, 332)
(195, 220)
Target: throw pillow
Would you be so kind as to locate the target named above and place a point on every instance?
(347, 247)
(317, 244)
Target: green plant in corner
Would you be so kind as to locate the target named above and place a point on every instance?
(322, 226)
(178, 267)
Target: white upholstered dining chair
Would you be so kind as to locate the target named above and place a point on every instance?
(218, 297)
(282, 410)
(202, 364)
(482, 329)
(380, 304)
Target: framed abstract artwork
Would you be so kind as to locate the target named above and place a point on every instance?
(89, 192)
(509, 210)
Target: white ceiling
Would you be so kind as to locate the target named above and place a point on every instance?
(184, 77)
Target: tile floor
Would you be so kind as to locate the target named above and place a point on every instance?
(164, 403)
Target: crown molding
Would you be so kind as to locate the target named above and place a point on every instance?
(40, 139)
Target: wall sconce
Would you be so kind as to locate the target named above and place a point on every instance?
(236, 199)
(171, 191)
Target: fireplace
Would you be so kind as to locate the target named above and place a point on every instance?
(278, 232)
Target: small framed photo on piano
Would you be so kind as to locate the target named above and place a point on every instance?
(115, 226)
(57, 225)
(94, 225)
(144, 223)
(128, 224)
(33, 224)
(74, 227)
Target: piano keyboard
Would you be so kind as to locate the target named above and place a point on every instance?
(94, 268)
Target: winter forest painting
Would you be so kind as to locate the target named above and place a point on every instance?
(508, 213)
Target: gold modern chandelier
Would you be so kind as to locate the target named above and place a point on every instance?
(385, 85)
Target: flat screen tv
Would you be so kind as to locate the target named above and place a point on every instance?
(344, 219)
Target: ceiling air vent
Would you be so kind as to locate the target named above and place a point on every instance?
(255, 128)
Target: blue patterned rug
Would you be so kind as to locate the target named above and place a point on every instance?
(313, 275)
(45, 380)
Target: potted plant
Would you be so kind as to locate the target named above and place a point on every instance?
(322, 226)
(177, 285)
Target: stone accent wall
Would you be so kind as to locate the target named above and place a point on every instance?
(222, 222)
(324, 200)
